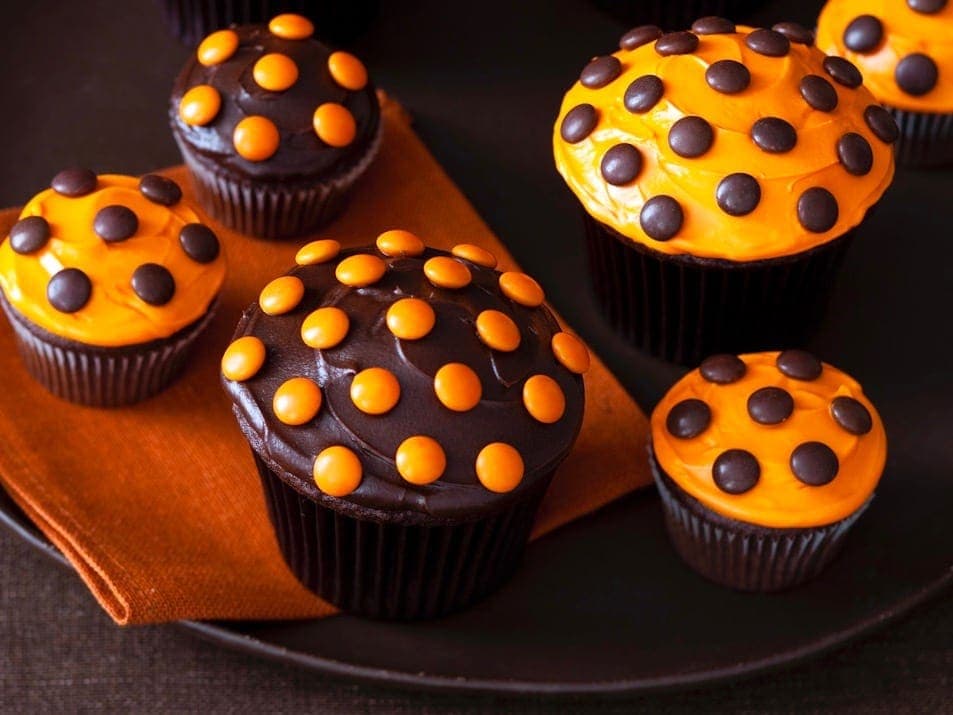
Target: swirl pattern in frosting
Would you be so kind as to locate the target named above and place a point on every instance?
(710, 145)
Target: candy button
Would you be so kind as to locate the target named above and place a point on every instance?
(334, 124)
(115, 223)
(199, 242)
(578, 123)
(275, 72)
(347, 70)
(243, 358)
(74, 182)
(521, 289)
(317, 252)
(770, 405)
(570, 352)
(851, 415)
(337, 471)
(160, 190)
(499, 467)
(200, 105)
(360, 270)
(398, 242)
(375, 391)
(296, 401)
(281, 295)
(688, 419)
(544, 399)
(799, 365)
(217, 47)
(474, 254)
(723, 369)
(445, 272)
(69, 290)
(736, 471)
(420, 460)
(458, 387)
(153, 283)
(325, 328)
(498, 331)
(600, 71)
(29, 234)
(290, 26)
(256, 138)
(410, 318)
(814, 463)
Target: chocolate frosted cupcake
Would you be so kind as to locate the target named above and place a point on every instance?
(274, 126)
(107, 282)
(721, 172)
(407, 409)
(763, 462)
(905, 51)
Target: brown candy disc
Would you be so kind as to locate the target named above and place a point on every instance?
(643, 94)
(691, 137)
(638, 36)
(676, 43)
(863, 34)
(600, 71)
(770, 405)
(817, 210)
(578, 123)
(916, 74)
(689, 418)
(661, 217)
(621, 164)
(851, 415)
(814, 463)
(74, 182)
(728, 76)
(69, 290)
(738, 194)
(855, 154)
(819, 93)
(723, 369)
(115, 223)
(153, 283)
(768, 42)
(160, 190)
(799, 364)
(736, 471)
(29, 234)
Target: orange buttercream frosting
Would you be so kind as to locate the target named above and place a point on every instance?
(813, 445)
(141, 268)
(880, 35)
(736, 160)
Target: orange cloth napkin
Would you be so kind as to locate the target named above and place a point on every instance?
(158, 506)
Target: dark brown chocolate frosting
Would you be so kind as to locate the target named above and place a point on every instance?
(301, 154)
(500, 416)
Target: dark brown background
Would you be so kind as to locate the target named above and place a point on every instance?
(87, 83)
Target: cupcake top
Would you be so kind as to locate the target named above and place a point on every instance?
(774, 439)
(400, 378)
(269, 102)
(724, 142)
(904, 48)
(110, 260)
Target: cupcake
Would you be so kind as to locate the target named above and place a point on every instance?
(191, 20)
(406, 409)
(671, 14)
(108, 281)
(721, 173)
(763, 463)
(274, 126)
(905, 52)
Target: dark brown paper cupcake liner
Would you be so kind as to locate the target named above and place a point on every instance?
(272, 209)
(675, 14)
(926, 140)
(682, 308)
(390, 570)
(100, 376)
(745, 556)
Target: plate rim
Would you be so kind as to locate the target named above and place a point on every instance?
(218, 633)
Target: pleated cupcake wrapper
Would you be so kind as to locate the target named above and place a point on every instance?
(390, 570)
(272, 209)
(97, 376)
(675, 14)
(683, 310)
(745, 556)
(926, 140)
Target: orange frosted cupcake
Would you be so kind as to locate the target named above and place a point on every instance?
(764, 462)
(107, 281)
(904, 48)
(721, 172)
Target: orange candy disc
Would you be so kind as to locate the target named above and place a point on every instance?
(281, 295)
(347, 70)
(217, 47)
(544, 399)
(498, 331)
(243, 358)
(410, 318)
(399, 243)
(359, 270)
(296, 401)
(521, 289)
(325, 328)
(200, 105)
(290, 26)
(445, 272)
(420, 460)
(275, 72)
(256, 138)
(334, 124)
(375, 391)
(474, 254)
(337, 471)
(458, 387)
(499, 467)
(571, 353)
(317, 252)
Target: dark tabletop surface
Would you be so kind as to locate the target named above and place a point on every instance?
(87, 83)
